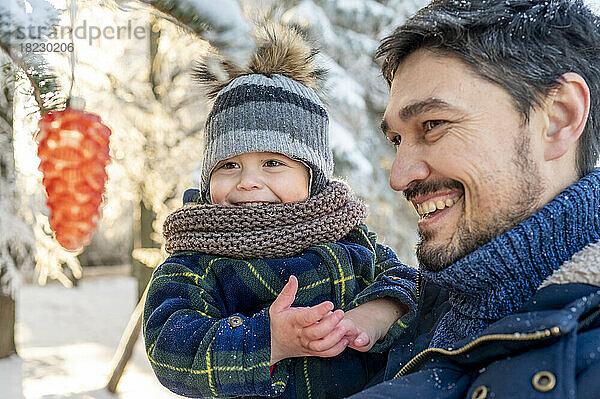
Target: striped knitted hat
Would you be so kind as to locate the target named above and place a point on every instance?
(270, 107)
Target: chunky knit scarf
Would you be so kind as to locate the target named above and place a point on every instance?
(265, 230)
(499, 277)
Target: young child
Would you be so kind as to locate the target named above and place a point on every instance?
(267, 229)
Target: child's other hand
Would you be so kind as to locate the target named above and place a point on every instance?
(347, 329)
(288, 324)
(363, 326)
(359, 334)
(363, 333)
(370, 322)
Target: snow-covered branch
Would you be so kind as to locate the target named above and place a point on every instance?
(50, 256)
(16, 24)
(220, 23)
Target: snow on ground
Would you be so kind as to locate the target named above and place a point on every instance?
(66, 339)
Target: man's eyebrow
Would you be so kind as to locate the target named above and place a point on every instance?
(420, 107)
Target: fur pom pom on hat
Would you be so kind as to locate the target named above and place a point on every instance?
(270, 106)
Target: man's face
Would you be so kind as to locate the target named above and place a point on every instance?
(464, 157)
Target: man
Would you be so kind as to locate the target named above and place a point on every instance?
(494, 112)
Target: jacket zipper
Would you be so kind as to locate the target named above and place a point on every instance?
(589, 319)
(418, 283)
(419, 358)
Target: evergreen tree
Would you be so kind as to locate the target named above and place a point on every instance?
(16, 240)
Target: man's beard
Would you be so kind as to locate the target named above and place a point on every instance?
(525, 194)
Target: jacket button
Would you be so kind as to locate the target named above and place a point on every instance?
(480, 392)
(235, 321)
(544, 381)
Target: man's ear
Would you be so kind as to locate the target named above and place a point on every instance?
(567, 109)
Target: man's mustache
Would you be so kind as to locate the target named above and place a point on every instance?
(424, 187)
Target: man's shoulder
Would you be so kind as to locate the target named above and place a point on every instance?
(560, 296)
(583, 267)
(559, 326)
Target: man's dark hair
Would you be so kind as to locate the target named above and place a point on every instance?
(523, 46)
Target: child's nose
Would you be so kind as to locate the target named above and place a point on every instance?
(250, 180)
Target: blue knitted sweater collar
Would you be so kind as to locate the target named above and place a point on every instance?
(500, 276)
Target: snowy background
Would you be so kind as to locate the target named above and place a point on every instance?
(66, 337)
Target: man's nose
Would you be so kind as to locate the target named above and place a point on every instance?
(250, 179)
(408, 166)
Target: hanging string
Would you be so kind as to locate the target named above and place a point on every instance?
(72, 12)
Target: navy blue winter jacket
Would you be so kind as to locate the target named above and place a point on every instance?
(551, 349)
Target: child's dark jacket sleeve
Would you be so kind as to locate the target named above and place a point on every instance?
(395, 280)
(193, 348)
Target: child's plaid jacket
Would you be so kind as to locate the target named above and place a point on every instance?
(206, 320)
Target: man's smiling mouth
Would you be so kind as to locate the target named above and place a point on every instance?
(429, 207)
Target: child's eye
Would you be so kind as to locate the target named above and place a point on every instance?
(396, 140)
(229, 165)
(271, 163)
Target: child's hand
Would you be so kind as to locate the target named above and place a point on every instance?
(370, 322)
(359, 334)
(364, 325)
(288, 338)
(362, 332)
(323, 339)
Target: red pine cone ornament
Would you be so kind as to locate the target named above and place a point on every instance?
(73, 149)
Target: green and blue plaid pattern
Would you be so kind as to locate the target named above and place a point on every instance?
(206, 321)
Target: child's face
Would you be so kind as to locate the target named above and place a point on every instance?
(259, 177)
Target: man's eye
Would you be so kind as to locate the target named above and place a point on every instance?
(229, 165)
(272, 163)
(396, 140)
(429, 125)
